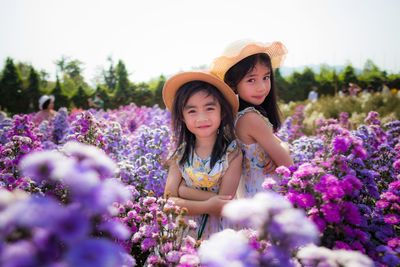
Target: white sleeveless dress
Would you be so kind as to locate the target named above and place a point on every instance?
(253, 162)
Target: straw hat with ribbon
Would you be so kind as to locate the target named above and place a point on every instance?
(241, 49)
(172, 85)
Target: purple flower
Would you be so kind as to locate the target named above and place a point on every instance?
(116, 229)
(319, 222)
(351, 213)
(40, 165)
(72, 226)
(341, 144)
(292, 228)
(148, 243)
(21, 253)
(91, 157)
(95, 252)
(173, 256)
(391, 260)
(333, 193)
(331, 212)
(341, 245)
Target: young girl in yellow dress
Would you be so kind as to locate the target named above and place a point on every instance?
(247, 67)
(205, 169)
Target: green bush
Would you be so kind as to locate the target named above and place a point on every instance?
(357, 107)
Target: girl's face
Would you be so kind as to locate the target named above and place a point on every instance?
(202, 115)
(255, 86)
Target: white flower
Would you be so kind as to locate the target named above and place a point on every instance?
(227, 248)
(256, 211)
(311, 255)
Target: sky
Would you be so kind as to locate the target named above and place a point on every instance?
(154, 37)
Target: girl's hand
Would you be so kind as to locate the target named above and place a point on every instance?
(216, 203)
(269, 166)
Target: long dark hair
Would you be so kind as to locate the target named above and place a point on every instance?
(183, 135)
(269, 108)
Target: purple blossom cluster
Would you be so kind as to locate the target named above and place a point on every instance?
(150, 153)
(277, 235)
(105, 172)
(22, 138)
(292, 127)
(160, 232)
(41, 230)
(343, 183)
(87, 129)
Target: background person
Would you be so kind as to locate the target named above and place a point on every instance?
(46, 113)
(313, 94)
(97, 102)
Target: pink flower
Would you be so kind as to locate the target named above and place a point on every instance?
(305, 200)
(381, 204)
(268, 183)
(394, 243)
(392, 219)
(282, 170)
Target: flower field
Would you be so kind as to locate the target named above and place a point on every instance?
(86, 190)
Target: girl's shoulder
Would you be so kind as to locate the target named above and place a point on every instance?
(179, 152)
(232, 147)
(252, 114)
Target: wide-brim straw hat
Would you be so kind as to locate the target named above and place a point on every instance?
(241, 49)
(172, 85)
(43, 99)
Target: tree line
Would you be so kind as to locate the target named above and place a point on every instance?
(21, 85)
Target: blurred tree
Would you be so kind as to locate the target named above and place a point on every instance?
(71, 73)
(301, 83)
(44, 76)
(142, 95)
(369, 67)
(33, 91)
(61, 65)
(24, 70)
(283, 87)
(326, 80)
(110, 75)
(371, 75)
(11, 89)
(122, 93)
(80, 98)
(158, 92)
(74, 71)
(348, 76)
(61, 100)
(394, 81)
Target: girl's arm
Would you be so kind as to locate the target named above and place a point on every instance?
(231, 178)
(229, 182)
(211, 206)
(251, 128)
(193, 193)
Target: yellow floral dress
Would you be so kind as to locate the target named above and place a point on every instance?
(197, 174)
(253, 161)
